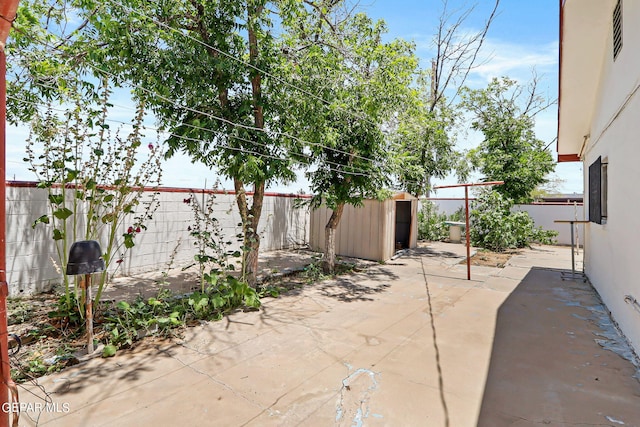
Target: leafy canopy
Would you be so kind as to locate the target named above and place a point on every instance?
(360, 82)
(504, 112)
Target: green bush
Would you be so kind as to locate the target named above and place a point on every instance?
(431, 223)
(495, 227)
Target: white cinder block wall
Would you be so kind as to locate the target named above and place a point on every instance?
(32, 256)
(543, 215)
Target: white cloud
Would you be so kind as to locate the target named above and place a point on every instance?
(502, 58)
(499, 58)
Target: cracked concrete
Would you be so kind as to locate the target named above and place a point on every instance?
(514, 346)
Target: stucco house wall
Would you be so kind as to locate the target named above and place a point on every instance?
(612, 248)
(612, 133)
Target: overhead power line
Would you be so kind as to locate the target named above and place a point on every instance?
(226, 121)
(239, 60)
(228, 147)
(210, 115)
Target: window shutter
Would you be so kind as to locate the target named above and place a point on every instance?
(617, 29)
(595, 199)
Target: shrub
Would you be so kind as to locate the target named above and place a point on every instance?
(494, 226)
(431, 223)
(128, 322)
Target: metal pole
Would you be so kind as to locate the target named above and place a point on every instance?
(88, 306)
(8, 10)
(466, 209)
(466, 231)
(5, 368)
(573, 261)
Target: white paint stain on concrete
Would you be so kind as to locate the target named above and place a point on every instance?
(357, 388)
(613, 420)
(610, 336)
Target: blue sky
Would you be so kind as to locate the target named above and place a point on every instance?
(523, 37)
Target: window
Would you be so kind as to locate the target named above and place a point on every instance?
(617, 29)
(598, 191)
(603, 190)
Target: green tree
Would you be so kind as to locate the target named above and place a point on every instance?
(423, 144)
(345, 60)
(504, 112)
(496, 227)
(206, 69)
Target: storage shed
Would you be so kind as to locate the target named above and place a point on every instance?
(374, 231)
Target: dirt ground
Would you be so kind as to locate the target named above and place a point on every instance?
(491, 259)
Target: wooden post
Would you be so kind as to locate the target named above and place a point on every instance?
(5, 368)
(8, 12)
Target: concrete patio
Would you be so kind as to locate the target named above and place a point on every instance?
(406, 343)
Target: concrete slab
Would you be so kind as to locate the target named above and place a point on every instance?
(546, 366)
(409, 343)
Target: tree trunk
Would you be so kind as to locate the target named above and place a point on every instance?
(256, 78)
(251, 216)
(250, 219)
(329, 259)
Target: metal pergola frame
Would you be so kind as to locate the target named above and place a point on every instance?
(466, 210)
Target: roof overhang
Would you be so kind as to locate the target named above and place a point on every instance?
(584, 33)
(8, 10)
(403, 195)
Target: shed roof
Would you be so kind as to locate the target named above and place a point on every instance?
(403, 195)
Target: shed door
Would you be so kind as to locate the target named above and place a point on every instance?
(403, 223)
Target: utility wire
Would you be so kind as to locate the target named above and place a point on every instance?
(228, 55)
(230, 122)
(212, 116)
(241, 61)
(242, 150)
(222, 120)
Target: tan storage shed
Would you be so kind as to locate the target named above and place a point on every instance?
(374, 231)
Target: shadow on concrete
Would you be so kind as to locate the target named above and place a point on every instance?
(104, 372)
(108, 373)
(349, 290)
(434, 252)
(546, 366)
(352, 287)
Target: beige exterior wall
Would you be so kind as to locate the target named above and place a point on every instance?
(366, 232)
